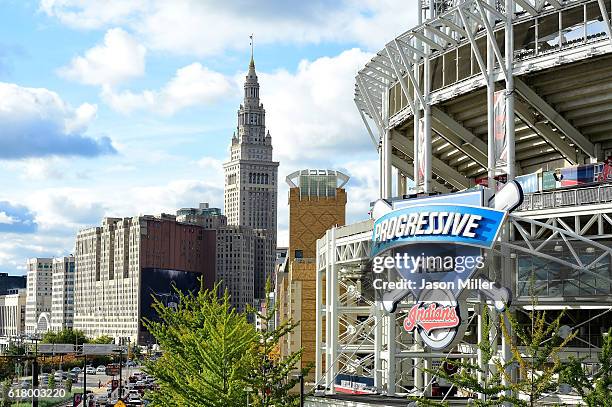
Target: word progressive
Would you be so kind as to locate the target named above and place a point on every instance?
(427, 223)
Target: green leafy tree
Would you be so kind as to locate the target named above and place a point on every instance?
(4, 393)
(135, 353)
(593, 387)
(68, 385)
(473, 378)
(64, 336)
(15, 349)
(535, 350)
(271, 375)
(102, 340)
(205, 355)
(51, 384)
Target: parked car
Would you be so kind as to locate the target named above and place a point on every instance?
(25, 384)
(76, 370)
(90, 370)
(60, 375)
(101, 369)
(130, 363)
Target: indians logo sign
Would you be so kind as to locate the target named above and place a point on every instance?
(430, 317)
(431, 250)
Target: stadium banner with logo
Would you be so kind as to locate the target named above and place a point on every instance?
(429, 252)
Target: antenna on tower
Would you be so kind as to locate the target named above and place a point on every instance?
(251, 43)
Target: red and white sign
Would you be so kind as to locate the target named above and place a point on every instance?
(431, 317)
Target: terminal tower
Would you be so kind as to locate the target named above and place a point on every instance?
(251, 176)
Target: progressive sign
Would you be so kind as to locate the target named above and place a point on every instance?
(432, 248)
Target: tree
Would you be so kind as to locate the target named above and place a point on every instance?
(535, 350)
(594, 388)
(272, 376)
(66, 335)
(103, 340)
(5, 387)
(468, 374)
(134, 352)
(206, 346)
(52, 380)
(68, 385)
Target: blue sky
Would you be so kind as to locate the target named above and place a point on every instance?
(120, 108)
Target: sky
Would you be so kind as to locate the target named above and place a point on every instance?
(120, 108)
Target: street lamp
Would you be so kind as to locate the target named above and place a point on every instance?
(34, 337)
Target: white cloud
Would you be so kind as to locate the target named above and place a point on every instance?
(120, 57)
(92, 14)
(37, 122)
(196, 27)
(36, 169)
(310, 113)
(192, 85)
(7, 219)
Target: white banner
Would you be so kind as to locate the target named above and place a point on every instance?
(421, 152)
(501, 137)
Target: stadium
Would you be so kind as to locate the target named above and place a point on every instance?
(478, 94)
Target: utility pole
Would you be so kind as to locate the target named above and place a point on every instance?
(35, 373)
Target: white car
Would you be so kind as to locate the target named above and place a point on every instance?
(90, 370)
(101, 369)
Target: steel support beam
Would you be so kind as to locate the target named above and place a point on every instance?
(447, 121)
(491, 40)
(552, 137)
(555, 118)
(408, 170)
(440, 168)
(527, 7)
(409, 47)
(606, 20)
(470, 35)
(371, 108)
(408, 66)
(365, 122)
(400, 78)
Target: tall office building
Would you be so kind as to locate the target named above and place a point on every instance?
(204, 215)
(317, 202)
(38, 300)
(62, 297)
(236, 264)
(10, 283)
(251, 179)
(243, 253)
(124, 263)
(12, 313)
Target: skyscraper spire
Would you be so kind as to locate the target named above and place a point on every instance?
(252, 63)
(251, 85)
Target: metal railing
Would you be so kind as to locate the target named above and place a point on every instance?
(564, 198)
